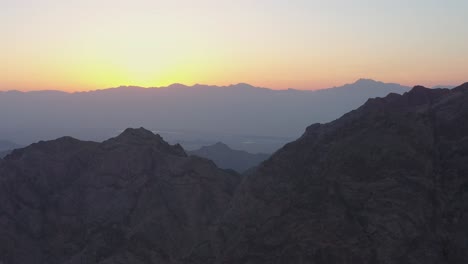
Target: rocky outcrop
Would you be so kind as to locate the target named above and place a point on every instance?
(225, 157)
(130, 199)
(386, 183)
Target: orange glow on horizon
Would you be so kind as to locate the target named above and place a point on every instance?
(88, 45)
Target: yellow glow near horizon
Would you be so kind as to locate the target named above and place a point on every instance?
(87, 45)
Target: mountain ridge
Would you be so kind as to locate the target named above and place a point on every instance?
(382, 184)
(179, 85)
(232, 110)
(133, 198)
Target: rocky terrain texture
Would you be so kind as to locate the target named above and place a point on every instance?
(386, 183)
(131, 199)
(225, 157)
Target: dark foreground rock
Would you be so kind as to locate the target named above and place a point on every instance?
(131, 199)
(387, 183)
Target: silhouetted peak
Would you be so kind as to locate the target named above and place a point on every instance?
(177, 86)
(143, 137)
(242, 86)
(418, 89)
(220, 145)
(366, 81)
(141, 133)
(138, 136)
(129, 87)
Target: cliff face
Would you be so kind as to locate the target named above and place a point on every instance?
(131, 199)
(386, 183)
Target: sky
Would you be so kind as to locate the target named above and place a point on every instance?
(305, 44)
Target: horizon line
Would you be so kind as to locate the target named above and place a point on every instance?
(219, 86)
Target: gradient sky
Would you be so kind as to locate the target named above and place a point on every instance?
(88, 44)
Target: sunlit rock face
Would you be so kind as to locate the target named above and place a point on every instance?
(386, 183)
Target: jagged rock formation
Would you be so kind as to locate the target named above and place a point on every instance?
(130, 199)
(225, 157)
(386, 183)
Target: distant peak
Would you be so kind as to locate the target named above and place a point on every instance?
(220, 144)
(242, 85)
(138, 136)
(217, 146)
(129, 87)
(365, 81)
(137, 133)
(143, 137)
(419, 88)
(177, 86)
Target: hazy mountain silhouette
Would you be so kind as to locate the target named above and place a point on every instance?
(443, 86)
(225, 157)
(7, 145)
(386, 183)
(232, 110)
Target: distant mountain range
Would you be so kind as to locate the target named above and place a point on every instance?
(385, 183)
(225, 157)
(240, 111)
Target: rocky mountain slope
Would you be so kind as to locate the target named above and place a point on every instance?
(225, 157)
(386, 183)
(130, 199)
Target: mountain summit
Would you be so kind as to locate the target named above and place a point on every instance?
(130, 199)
